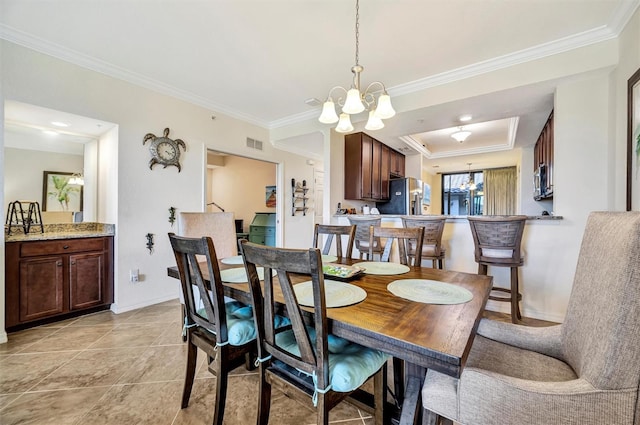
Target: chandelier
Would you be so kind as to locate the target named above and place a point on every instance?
(461, 135)
(76, 178)
(356, 100)
(469, 185)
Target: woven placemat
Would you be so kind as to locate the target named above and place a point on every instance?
(337, 294)
(429, 291)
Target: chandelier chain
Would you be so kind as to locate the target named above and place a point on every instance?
(357, 30)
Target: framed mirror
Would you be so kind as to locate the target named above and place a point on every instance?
(633, 138)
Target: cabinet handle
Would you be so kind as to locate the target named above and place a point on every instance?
(65, 247)
(59, 263)
(73, 263)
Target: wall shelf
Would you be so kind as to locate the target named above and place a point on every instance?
(299, 197)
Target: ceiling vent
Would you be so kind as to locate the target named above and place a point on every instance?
(254, 144)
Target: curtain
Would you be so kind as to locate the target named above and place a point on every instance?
(500, 191)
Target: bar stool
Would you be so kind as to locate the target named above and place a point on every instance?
(497, 242)
(432, 246)
(363, 225)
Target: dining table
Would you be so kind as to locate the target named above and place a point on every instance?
(425, 335)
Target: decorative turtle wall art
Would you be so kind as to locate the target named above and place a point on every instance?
(163, 150)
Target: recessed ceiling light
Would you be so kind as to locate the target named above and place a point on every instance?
(464, 118)
(50, 132)
(59, 124)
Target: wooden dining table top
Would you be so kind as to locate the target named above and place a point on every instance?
(431, 336)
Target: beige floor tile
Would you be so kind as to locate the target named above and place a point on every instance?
(161, 313)
(91, 368)
(20, 372)
(69, 338)
(18, 341)
(103, 318)
(172, 334)
(141, 404)
(51, 407)
(130, 335)
(6, 400)
(163, 363)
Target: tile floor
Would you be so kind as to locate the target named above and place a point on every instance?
(126, 369)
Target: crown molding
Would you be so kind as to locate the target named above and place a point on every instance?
(60, 52)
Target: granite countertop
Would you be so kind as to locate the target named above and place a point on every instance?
(61, 231)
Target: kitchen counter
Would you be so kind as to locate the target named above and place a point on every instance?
(449, 218)
(63, 231)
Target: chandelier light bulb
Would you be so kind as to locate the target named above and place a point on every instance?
(374, 122)
(384, 109)
(353, 104)
(344, 125)
(328, 115)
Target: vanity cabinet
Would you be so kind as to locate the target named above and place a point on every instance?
(367, 168)
(49, 279)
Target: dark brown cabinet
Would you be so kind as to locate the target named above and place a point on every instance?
(543, 166)
(367, 167)
(49, 279)
(396, 164)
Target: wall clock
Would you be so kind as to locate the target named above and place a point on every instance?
(164, 151)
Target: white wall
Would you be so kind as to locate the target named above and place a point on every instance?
(131, 195)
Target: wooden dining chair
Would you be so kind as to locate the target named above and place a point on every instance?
(305, 362)
(334, 232)
(225, 332)
(405, 239)
(363, 225)
(432, 242)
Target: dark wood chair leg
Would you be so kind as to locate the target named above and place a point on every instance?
(222, 381)
(192, 355)
(429, 418)
(515, 296)
(322, 410)
(183, 315)
(264, 404)
(398, 380)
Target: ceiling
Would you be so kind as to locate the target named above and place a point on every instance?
(259, 60)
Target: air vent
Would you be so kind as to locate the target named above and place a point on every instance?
(254, 144)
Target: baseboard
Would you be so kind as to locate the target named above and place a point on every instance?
(118, 308)
(502, 307)
(3, 337)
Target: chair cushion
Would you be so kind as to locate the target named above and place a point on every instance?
(497, 253)
(349, 367)
(240, 325)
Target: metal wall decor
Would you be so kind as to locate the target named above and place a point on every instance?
(150, 243)
(172, 215)
(164, 151)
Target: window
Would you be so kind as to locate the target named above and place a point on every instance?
(463, 193)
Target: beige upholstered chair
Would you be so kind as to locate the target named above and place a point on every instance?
(334, 232)
(585, 371)
(362, 235)
(219, 226)
(498, 240)
(432, 245)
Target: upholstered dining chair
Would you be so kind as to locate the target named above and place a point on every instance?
(331, 232)
(432, 244)
(585, 371)
(404, 237)
(305, 361)
(498, 240)
(225, 332)
(363, 225)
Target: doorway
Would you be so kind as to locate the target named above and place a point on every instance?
(245, 186)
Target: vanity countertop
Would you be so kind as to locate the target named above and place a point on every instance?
(62, 231)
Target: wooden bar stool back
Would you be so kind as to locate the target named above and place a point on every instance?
(432, 244)
(498, 242)
(362, 236)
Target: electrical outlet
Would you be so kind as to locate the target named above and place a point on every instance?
(134, 275)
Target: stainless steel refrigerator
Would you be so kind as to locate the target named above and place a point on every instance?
(405, 197)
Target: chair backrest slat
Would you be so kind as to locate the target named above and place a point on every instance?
(334, 232)
(403, 237)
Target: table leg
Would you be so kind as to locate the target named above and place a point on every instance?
(412, 405)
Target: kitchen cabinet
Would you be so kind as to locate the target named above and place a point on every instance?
(543, 166)
(51, 279)
(396, 164)
(367, 168)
